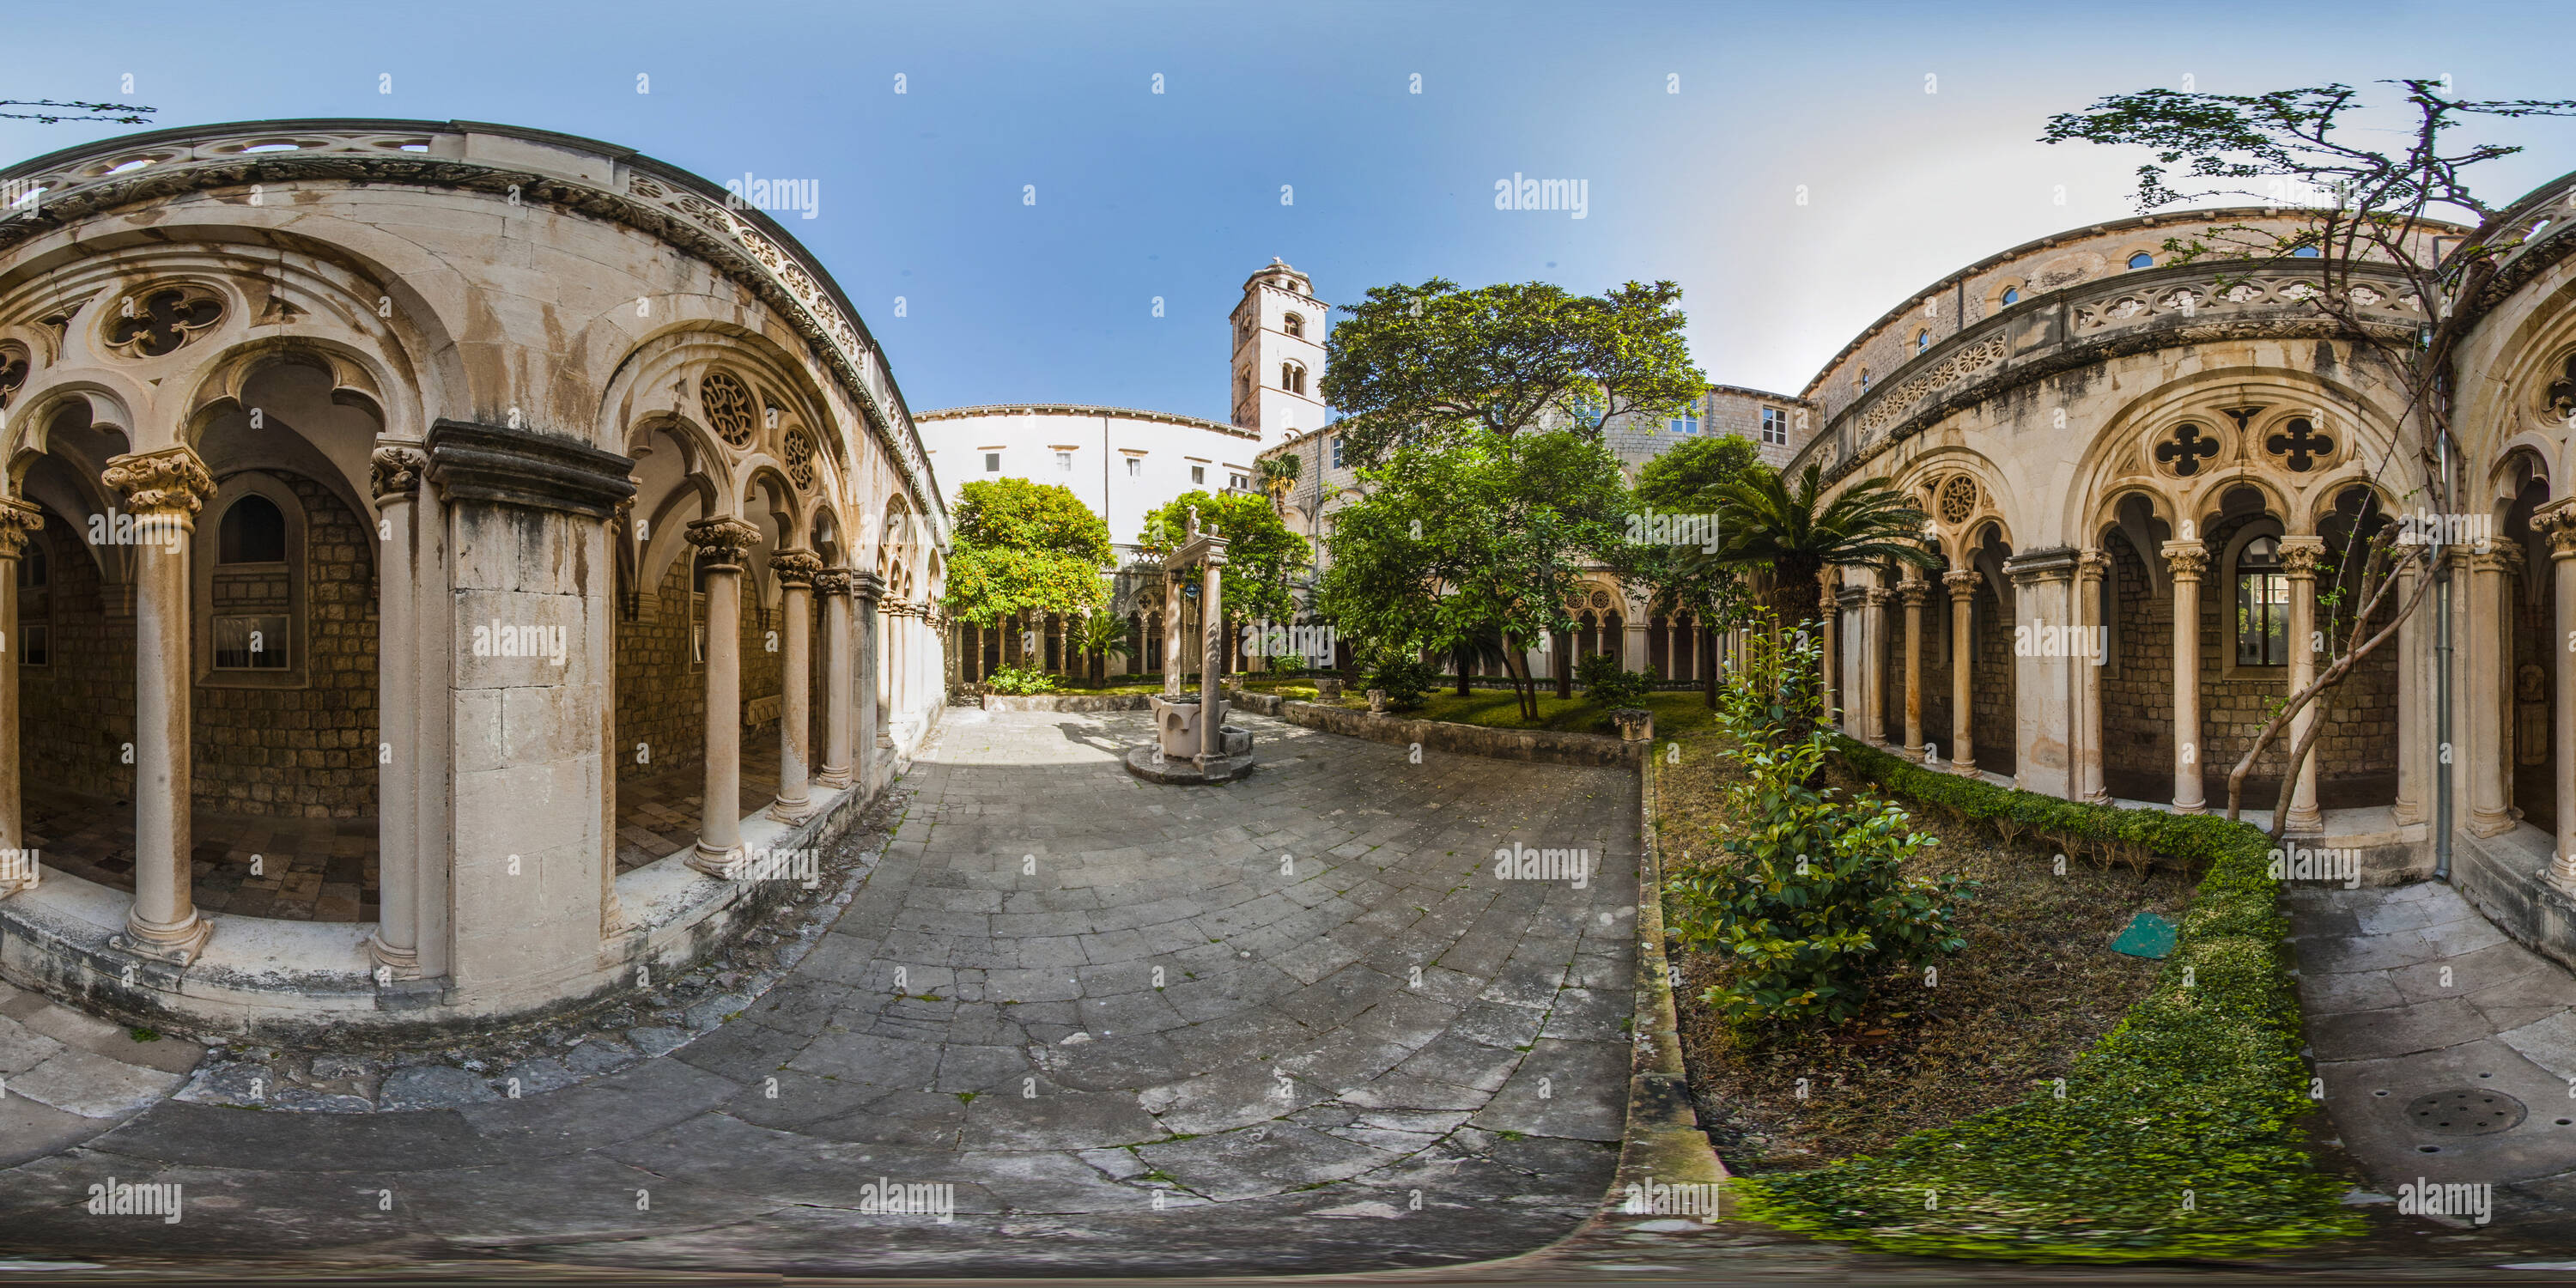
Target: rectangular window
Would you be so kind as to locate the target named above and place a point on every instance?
(251, 643)
(1775, 425)
(1135, 467)
(992, 462)
(1337, 451)
(2262, 619)
(1064, 462)
(1687, 422)
(1237, 482)
(1198, 474)
(36, 644)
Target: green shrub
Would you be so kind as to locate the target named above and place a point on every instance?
(1019, 680)
(1406, 681)
(1288, 665)
(2176, 1135)
(1809, 904)
(1607, 684)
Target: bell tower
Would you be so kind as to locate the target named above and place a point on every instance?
(1278, 367)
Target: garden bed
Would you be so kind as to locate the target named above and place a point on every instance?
(2179, 1132)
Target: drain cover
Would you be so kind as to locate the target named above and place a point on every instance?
(2466, 1112)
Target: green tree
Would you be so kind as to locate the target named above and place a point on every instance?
(1795, 534)
(1684, 578)
(1482, 536)
(1261, 555)
(2387, 204)
(1024, 547)
(1433, 363)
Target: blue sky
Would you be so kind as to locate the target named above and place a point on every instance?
(1178, 195)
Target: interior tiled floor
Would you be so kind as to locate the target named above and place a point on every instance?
(325, 869)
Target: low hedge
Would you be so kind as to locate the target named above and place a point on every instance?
(2178, 1135)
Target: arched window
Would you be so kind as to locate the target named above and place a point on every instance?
(2305, 252)
(253, 531)
(1922, 340)
(2142, 260)
(1292, 377)
(2262, 605)
(2012, 295)
(1864, 380)
(1296, 326)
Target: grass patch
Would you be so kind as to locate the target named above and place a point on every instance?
(2179, 1131)
(1677, 713)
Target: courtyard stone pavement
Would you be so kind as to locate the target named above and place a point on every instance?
(1293, 1024)
(2409, 993)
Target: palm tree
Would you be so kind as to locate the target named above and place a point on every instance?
(1767, 525)
(1279, 474)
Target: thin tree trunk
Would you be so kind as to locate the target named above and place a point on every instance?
(2329, 678)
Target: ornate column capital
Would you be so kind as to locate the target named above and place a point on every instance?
(1963, 582)
(2562, 536)
(796, 568)
(1913, 592)
(2505, 557)
(2186, 560)
(18, 521)
(2093, 564)
(832, 581)
(1878, 596)
(724, 538)
(397, 472)
(2299, 556)
(171, 482)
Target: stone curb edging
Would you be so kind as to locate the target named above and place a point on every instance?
(1663, 1141)
(1538, 746)
(1066, 702)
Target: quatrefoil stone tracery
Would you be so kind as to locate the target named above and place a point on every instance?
(2299, 445)
(2185, 448)
(160, 321)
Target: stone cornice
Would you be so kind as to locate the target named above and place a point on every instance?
(470, 462)
(543, 168)
(2049, 563)
(867, 586)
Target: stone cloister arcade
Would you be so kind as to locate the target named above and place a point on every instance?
(452, 549)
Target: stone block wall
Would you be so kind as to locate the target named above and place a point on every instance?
(76, 714)
(306, 752)
(2137, 686)
(662, 693)
(1991, 685)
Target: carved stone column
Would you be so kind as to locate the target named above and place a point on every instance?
(2489, 646)
(395, 947)
(18, 865)
(866, 588)
(2299, 556)
(163, 490)
(2090, 569)
(1172, 667)
(2185, 561)
(833, 584)
(1828, 663)
(796, 571)
(1874, 661)
(1962, 583)
(724, 538)
(2414, 693)
(1913, 592)
(2560, 525)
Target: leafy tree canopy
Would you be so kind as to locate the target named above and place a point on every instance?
(1024, 547)
(1436, 363)
(1261, 554)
